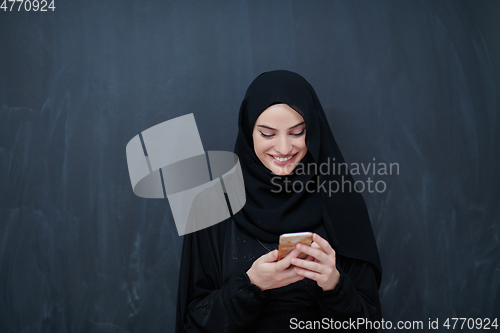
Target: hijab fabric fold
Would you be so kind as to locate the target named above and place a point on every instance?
(270, 210)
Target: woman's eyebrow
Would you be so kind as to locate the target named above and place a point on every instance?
(297, 125)
(274, 129)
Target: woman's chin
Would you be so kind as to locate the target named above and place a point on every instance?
(282, 170)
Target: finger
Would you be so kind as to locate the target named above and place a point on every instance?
(288, 254)
(308, 274)
(288, 276)
(294, 277)
(318, 254)
(269, 257)
(323, 243)
(315, 245)
(285, 262)
(309, 265)
(309, 258)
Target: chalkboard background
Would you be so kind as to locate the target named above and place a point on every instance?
(410, 82)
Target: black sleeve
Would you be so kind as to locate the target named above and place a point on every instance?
(356, 294)
(206, 303)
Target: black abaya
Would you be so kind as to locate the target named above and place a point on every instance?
(215, 293)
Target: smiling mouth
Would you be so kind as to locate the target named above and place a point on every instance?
(283, 159)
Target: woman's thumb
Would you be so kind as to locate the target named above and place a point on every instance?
(271, 256)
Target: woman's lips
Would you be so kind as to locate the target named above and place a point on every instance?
(289, 160)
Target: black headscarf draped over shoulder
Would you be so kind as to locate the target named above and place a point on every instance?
(270, 210)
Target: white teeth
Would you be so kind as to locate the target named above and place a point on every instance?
(282, 159)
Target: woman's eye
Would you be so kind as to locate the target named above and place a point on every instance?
(299, 134)
(267, 135)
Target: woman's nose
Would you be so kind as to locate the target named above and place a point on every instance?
(284, 146)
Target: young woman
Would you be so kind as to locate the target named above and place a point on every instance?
(230, 278)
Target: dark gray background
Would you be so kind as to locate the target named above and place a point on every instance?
(409, 82)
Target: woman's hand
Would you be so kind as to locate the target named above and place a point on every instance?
(267, 273)
(320, 263)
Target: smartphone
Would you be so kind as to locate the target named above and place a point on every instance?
(288, 242)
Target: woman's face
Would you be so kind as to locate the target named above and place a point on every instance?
(279, 138)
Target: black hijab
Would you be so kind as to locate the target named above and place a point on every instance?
(267, 214)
